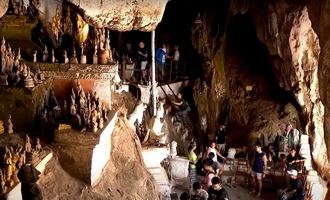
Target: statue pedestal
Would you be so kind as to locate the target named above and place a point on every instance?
(96, 148)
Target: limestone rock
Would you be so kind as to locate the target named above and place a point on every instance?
(3, 7)
(123, 15)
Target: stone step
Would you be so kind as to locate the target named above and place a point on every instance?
(152, 158)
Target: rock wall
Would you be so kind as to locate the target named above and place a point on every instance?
(23, 105)
(295, 38)
(123, 15)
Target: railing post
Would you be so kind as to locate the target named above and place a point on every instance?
(153, 74)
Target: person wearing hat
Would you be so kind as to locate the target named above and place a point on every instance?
(29, 175)
(295, 189)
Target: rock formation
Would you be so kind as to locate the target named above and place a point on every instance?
(123, 15)
(290, 65)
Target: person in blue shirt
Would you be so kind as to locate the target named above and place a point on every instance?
(160, 61)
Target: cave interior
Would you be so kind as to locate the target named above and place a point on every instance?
(254, 67)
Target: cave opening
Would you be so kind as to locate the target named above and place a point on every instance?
(249, 58)
(251, 80)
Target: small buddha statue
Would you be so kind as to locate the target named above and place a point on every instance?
(3, 46)
(74, 59)
(19, 53)
(53, 56)
(94, 121)
(27, 145)
(35, 56)
(9, 167)
(95, 58)
(38, 145)
(101, 121)
(45, 54)
(9, 125)
(3, 182)
(65, 57)
(16, 61)
(14, 177)
(40, 75)
(21, 161)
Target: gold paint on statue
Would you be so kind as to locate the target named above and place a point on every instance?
(82, 30)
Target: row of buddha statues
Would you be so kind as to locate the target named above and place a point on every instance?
(14, 71)
(85, 111)
(14, 158)
(9, 58)
(102, 53)
(18, 7)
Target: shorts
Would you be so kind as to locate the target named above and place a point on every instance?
(258, 175)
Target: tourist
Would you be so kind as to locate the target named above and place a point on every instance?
(183, 108)
(281, 141)
(293, 160)
(216, 191)
(29, 175)
(212, 148)
(259, 166)
(160, 61)
(198, 192)
(215, 165)
(295, 189)
(220, 138)
(141, 60)
(193, 159)
(209, 174)
(270, 152)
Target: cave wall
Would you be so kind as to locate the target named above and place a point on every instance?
(63, 89)
(296, 37)
(23, 105)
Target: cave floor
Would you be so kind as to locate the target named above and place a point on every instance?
(153, 157)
